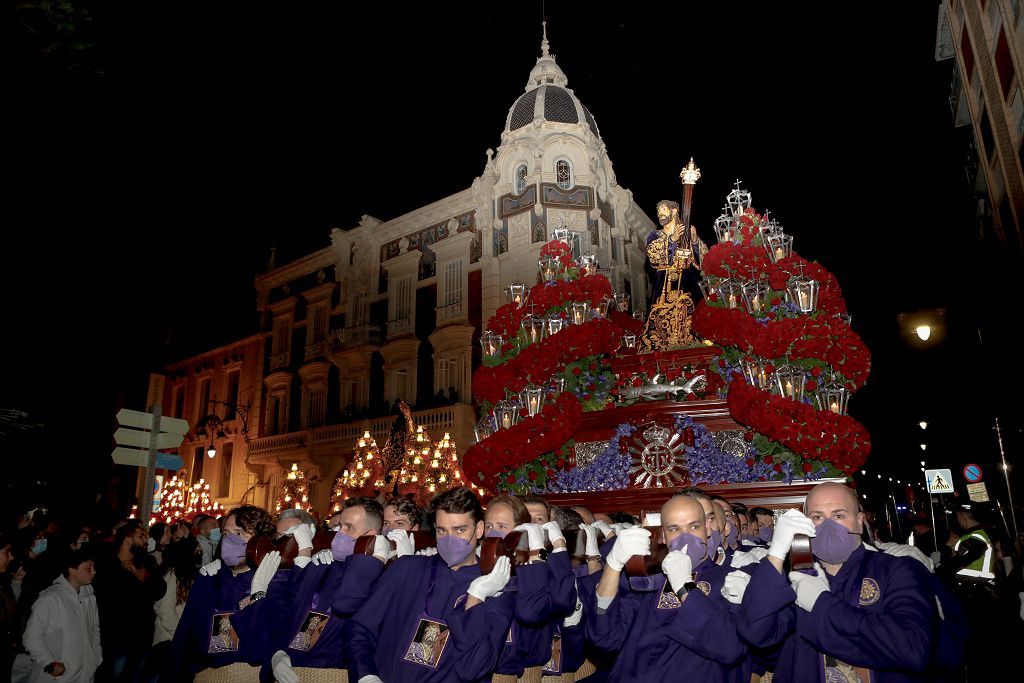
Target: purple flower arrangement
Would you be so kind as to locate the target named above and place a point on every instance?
(608, 472)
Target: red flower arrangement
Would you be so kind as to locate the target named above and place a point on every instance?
(532, 436)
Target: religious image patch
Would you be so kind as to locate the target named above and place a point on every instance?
(427, 644)
(870, 593)
(704, 587)
(668, 599)
(554, 665)
(312, 626)
(222, 634)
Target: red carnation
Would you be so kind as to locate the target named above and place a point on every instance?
(750, 462)
(748, 436)
(767, 460)
(721, 363)
(560, 464)
(533, 475)
(576, 371)
(592, 366)
(806, 467)
(550, 473)
(816, 371)
(638, 381)
(778, 467)
(510, 479)
(543, 463)
(769, 369)
(811, 385)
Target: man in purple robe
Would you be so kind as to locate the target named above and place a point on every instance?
(441, 603)
(860, 615)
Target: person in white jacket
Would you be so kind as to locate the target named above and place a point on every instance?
(63, 633)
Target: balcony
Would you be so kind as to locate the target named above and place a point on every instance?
(367, 334)
(399, 327)
(453, 312)
(457, 420)
(317, 350)
(280, 360)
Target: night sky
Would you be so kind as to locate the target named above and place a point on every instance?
(150, 173)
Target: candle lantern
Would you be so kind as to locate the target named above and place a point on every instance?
(640, 314)
(506, 413)
(725, 229)
(621, 302)
(755, 295)
(491, 343)
(532, 398)
(779, 246)
(789, 382)
(756, 374)
(803, 291)
(516, 293)
(548, 268)
(707, 288)
(484, 428)
(629, 341)
(533, 326)
(739, 200)
(589, 261)
(730, 292)
(580, 312)
(832, 397)
(562, 234)
(557, 384)
(555, 324)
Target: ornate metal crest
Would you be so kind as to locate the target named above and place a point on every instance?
(658, 457)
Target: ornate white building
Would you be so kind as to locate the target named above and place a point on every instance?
(394, 309)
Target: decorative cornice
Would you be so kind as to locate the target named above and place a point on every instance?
(302, 266)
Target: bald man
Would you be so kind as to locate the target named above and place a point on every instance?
(677, 626)
(860, 613)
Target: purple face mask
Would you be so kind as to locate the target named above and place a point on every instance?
(342, 546)
(765, 534)
(833, 542)
(733, 536)
(232, 550)
(714, 541)
(453, 549)
(494, 533)
(696, 548)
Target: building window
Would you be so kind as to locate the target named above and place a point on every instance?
(968, 53)
(203, 398)
(1004, 64)
(179, 400)
(521, 179)
(316, 406)
(282, 334)
(230, 412)
(563, 174)
(227, 452)
(198, 453)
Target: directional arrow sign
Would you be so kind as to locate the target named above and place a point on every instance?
(139, 458)
(140, 439)
(141, 420)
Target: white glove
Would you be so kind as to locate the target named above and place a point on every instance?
(621, 526)
(604, 528)
(735, 586)
(281, 664)
(489, 585)
(301, 561)
(786, 526)
(370, 679)
(302, 535)
(629, 543)
(534, 533)
(323, 557)
(429, 552)
(900, 550)
(577, 615)
(210, 568)
(381, 548)
(554, 532)
(151, 545)
(936, 558)
(808, 587)
(592, 547)
(752, 556)
(404, 544)
(678, 567)
(265, 572)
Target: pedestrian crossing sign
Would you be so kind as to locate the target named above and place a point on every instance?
(939, 481)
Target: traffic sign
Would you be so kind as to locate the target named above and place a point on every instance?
(141, 420)
(139, 458)
(972, 473)
(977, 492)
(138, 438)
(939, 481)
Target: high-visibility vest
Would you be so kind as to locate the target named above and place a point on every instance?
(982, 567)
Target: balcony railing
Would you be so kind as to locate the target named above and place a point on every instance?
(367, 334)
(452, 311)
(400, 326)
(280, 360)
(317, 349)
(456, 419)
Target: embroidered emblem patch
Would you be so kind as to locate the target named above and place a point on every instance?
(428, 643)
(668, 599)
(870, 593)
(704, 587)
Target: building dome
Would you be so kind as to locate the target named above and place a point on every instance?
(547, 98)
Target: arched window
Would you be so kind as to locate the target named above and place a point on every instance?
(563, 174)
(521, 179)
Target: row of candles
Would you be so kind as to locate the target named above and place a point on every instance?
(790, 381)
(753, 294)
(508, 411)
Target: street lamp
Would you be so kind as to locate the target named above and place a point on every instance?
(923, 332)
(924, 425)
(214, 426)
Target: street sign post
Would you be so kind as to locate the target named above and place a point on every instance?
(977, 492)
(140, 435)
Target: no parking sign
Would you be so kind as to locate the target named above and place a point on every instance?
(972, 473)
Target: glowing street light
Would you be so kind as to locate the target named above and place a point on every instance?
(923, 332)
(924, 425)
(924, 447)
